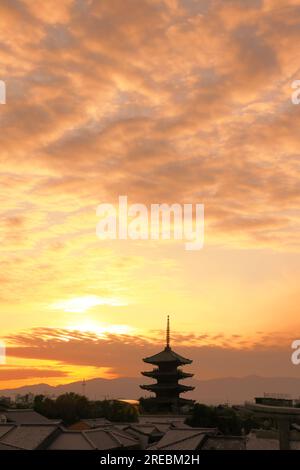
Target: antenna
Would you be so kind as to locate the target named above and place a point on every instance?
(168, 332)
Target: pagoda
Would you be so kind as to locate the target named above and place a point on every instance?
(167, 374)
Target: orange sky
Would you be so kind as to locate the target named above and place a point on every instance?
(169, 101)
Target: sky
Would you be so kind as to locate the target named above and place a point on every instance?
(164, 101)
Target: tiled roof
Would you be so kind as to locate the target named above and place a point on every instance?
(96, 422)
(111, 437)
(28, 437)
(266, 443)
(71, 440)
(106, 439)
(178, 424)
(138, 429)
(163, 428)
(191, 443)
(162, 419)
(167, 355)
(261, 443)
(224, 443)
(25, 417)
(7, 447)
(122, 432)
(186, 439)
(4, 428)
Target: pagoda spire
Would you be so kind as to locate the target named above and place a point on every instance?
(167, 374)
(168, 333)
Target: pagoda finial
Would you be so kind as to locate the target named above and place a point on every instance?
(168, 332)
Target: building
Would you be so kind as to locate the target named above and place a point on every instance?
(262, 439)
(94, 439)
(24, 416)
(24, 400)
(153, 437)
(167, 388)
(195, 439)
(26, 436)
(55, 437)
(284, 416)
(274, 400)
(89, 423)
(164, 434)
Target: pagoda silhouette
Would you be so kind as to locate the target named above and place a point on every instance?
(167, 374)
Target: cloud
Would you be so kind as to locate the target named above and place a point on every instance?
(30, 373)
(165, 101)
(154, 102)
(213, 355)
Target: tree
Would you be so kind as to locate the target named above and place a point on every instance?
(202, 416)
(119, 411)
(71, 407)
(44, 406)
(222, 417)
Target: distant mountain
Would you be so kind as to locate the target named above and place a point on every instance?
(236, 390)
(229, 389)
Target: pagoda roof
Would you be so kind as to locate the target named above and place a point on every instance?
(178, 373)
(167, 400)
(167, 355)
(158, 387)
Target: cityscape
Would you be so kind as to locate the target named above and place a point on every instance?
(149, 227)
(162, 421)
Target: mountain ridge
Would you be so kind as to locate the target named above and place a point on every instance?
(210, 391)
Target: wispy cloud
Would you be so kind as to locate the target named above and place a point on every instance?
(213, 355)
(165, 101)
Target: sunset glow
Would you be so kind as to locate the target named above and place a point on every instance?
(82, 304)
(164, 101)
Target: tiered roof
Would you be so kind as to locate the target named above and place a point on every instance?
(167, 355)
(167, 389)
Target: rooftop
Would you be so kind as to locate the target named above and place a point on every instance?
(26, 416)
(183, 439)
(26, 437)
(167, 355)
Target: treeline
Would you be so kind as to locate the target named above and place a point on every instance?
(228, 420)
(71, 407)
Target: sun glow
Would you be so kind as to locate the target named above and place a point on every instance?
(82, 304)
(100, 329)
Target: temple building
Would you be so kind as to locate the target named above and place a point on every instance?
(167, 374)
